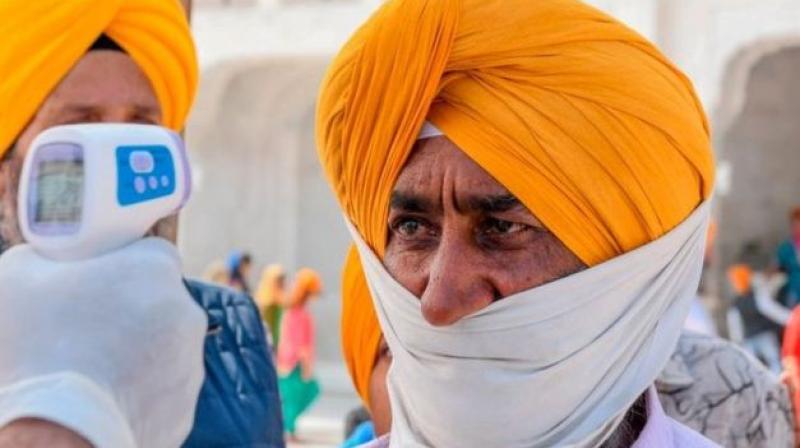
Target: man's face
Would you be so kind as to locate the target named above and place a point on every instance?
(459, 240)
(245, 269)
(104, 87)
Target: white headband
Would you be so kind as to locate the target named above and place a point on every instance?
(429, 131)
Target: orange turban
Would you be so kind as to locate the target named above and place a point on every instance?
(306, 282)
(740, 277)
(44, 39)
(581, 118)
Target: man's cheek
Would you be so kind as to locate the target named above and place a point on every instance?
(4, 245)
(10, 233)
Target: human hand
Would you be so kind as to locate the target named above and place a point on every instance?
(110, 347)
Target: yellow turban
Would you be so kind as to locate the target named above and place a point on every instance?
(269, 291)
(581, 118)
(740, 277)
(44, 39)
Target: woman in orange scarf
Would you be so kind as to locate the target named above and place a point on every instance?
(296, 349)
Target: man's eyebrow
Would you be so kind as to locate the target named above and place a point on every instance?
(494, 203)
(147, 110)
(410, 203)
(79, 108)
(140, 109)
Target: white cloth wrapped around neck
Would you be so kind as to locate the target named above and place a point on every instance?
(557, 365)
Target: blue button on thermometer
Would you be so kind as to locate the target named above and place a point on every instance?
(92, 188)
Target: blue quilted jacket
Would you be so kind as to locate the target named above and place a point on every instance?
(239, 404)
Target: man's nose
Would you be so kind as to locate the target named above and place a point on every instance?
(457, 285)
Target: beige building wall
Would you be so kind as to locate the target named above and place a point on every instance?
(258, 186)
(762, 150)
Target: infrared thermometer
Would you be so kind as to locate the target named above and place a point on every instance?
(89, 189)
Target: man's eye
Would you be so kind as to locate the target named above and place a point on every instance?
(502, 227)
(78, 119)
(408, 227)
(141, 119)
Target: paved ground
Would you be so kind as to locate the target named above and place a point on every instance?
(323, 425)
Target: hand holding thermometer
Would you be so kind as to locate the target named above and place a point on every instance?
(92, 188)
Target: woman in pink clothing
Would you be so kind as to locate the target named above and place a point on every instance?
(298, 387)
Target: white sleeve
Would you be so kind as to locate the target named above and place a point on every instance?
(735, 325)
(110, 347)
(70, 400)
(766, 303)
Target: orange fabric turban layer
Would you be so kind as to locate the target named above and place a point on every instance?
(44, 39)
(740, 277)
(581, 118)
(306, 282)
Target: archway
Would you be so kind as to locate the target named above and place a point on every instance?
(758, 144)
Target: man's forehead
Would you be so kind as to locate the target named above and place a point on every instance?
(470, 201)
(438, 167)
(104, 78)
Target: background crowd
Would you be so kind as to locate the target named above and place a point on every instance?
(283, 306)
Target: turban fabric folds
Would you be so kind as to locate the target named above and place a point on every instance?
(44, 39)
(581, 118)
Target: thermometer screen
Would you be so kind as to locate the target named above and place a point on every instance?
(59, 192)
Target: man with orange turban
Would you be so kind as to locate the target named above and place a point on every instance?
(134, 61)
(527, 187)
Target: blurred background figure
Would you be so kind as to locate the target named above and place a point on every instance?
(756, 319)
(298, 386)
(271, 298)
(788, 261)
(239, 265)
(216, 273)
(358, 428)
(790, 355)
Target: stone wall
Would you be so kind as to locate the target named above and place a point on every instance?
(762, 149)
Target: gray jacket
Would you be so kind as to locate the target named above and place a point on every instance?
(719, 390)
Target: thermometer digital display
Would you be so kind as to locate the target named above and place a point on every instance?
(91, 188)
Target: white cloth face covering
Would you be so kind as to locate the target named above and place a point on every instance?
(557, 365)
(110, 347)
